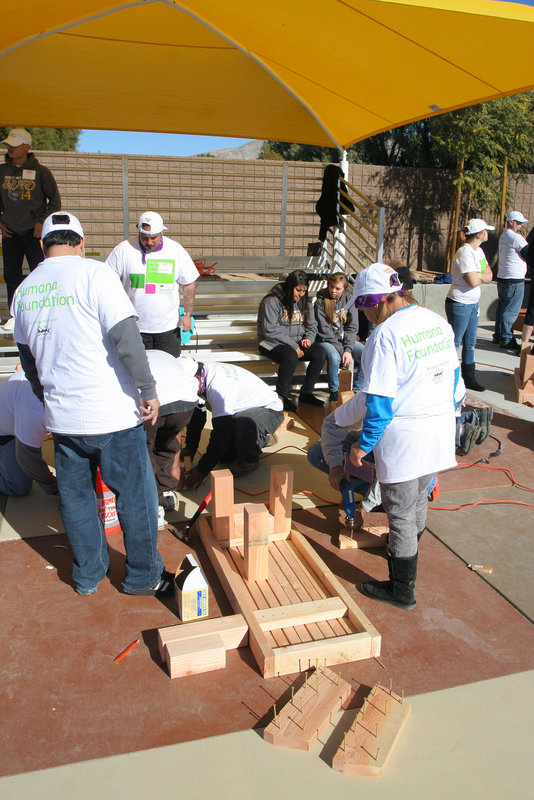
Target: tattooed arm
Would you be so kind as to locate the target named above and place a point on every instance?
(188, 299)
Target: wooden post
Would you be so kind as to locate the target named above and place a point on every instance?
(345, 380)
(281, 497)
(222, 492)
(256, 549)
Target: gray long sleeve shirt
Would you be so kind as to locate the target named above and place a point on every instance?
(274, 326)
(341, 332)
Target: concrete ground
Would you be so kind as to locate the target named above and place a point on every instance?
(78, 725)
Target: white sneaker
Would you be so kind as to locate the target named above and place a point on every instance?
(162, 522)
(9, 326)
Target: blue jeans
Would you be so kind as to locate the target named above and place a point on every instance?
(333, 360)
(463, 319)
(13, 481)
(510, 294)
(125, 467)
(316, 459)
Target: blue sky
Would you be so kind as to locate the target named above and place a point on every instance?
(151, 144)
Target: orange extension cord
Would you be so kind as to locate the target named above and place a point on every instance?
(507, 472)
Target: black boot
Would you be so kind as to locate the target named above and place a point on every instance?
(398, 590)
(468, 374)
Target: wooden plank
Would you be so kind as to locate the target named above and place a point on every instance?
(367, 536)
(235, 591)
(192, 656)
(301, 613)
(281, 497)
(296, 593)
(256, 552)
(222, 494)
(313, 585)
(299, 723)
(368, 744)
(263, 597)
(327, 577)
(233, 630)
(337, 650)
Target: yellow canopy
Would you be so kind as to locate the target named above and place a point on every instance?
(324, 72)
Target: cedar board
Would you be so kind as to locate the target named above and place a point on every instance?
(297, 575)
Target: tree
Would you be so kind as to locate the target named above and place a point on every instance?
(484, 134)
(50, 138)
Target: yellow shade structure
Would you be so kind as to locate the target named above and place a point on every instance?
(323, 72)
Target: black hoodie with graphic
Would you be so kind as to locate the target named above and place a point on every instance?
(28, 194)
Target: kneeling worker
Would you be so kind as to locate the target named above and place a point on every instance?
(177, 393)
(22, 433)
(245, 413)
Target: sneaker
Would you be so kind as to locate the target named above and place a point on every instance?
(334, 395)
(511, 346)
(9, 326)
(169, 501)
(241, 468)
(163, 587)
(162, 523)
(310, 399)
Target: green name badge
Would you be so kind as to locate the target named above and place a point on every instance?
(160, 270)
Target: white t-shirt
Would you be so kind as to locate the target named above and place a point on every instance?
(63, 312)
(511, 265)
(21, 413)
(173, 381)
(465, 260)
(411, 358)
(230, 389)
(154, 286)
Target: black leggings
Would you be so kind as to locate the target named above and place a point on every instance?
(286, 356)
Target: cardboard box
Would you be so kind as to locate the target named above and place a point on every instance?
(190, 590)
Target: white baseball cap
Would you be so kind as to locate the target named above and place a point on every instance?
(516, 216)
(154, 222)
(17, 136)
(475, 226)
(61, 221)
(373, 283)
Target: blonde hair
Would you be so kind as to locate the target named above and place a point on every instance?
(328, 303)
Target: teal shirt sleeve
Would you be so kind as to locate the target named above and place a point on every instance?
(378, 415)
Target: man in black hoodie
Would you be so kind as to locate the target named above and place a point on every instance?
(28, 195)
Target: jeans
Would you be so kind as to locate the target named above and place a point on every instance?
(125, 467)
(333, 361)
(252, 430)
(14, 248)
(286, 357)
(406, 505)
(510, 294)
(13, 481)
(463, 319)
(163, 445)
(316, 459)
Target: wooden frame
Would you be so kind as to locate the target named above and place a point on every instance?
(299, 615)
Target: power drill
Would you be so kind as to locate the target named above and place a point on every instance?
(348, 503)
